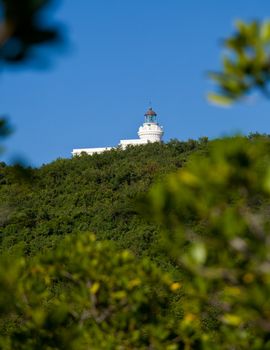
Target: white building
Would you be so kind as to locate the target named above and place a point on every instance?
(150, 131)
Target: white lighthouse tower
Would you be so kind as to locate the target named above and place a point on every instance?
(149, 132)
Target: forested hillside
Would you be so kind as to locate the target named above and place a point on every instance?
(163, 246)
(87, 194)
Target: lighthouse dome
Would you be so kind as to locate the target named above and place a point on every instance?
(150, 112)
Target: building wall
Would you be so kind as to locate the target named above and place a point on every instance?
(125, 143)
(90, 151)
(148, 132)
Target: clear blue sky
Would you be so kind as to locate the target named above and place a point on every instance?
(121, 54)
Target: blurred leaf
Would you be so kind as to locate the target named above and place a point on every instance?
(23, 28)
(5, 128)
(198, 253)
(265, 32)
(246, 65)
(220, 99)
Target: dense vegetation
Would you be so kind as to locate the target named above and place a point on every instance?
(181, 264)
(96, 194)
(41, 208)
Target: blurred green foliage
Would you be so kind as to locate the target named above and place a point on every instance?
(215, 221)
(86, 295)
(23, 27)
(5, 130)
(246, 63)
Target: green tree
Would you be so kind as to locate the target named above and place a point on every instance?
(215, 223)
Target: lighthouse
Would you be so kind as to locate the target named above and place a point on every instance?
(149, 132)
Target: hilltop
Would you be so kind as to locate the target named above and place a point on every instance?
(89, 193)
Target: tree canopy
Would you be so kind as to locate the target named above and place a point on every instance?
(204, 229)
